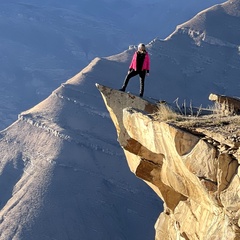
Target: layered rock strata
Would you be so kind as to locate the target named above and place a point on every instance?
(197, 179)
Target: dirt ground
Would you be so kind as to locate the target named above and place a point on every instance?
(214, 128)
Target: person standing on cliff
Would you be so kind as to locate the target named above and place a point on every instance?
(140, 65)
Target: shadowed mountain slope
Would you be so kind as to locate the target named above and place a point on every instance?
(196, 59)
(43, 43)
(63, 175)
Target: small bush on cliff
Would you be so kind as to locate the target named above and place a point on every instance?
(177, 114)
(165, 113)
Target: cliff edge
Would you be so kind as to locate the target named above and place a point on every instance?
(193, 166)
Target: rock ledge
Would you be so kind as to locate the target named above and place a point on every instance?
(194, 170)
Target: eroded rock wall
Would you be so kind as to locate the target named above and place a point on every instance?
(198, 182)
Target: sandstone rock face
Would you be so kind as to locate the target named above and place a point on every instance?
(198, 182)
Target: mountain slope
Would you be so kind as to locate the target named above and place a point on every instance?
(43, 43)
(66, 175)
(63, 174)
(200, 57)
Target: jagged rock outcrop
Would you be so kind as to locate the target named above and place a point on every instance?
(227, 105)
(197, 179)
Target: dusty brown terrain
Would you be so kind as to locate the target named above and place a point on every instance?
(226, 126)
(216, 127)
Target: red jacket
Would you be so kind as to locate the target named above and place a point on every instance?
(146, 62)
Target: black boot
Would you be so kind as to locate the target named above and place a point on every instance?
(122, 89)
(125, 83)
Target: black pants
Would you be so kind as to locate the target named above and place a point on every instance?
(133, 73)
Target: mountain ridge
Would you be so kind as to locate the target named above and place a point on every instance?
(63, 173)
(44, 43)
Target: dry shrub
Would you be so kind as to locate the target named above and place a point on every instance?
(215, 117)
(165, 113)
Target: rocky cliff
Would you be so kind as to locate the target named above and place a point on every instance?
(193, 169)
